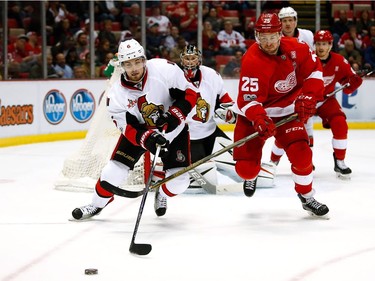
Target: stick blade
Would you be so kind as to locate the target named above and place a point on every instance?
(140, 249)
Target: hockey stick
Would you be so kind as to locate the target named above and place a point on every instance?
(136, 248)
(202, 181)
(347, 84)
(219, 152)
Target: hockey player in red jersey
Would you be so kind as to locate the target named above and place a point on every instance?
(150, 95)
(336, 69)
(279, 76)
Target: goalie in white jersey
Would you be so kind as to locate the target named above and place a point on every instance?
(150, 95)
(212, 99)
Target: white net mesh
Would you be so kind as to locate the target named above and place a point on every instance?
(82, 169)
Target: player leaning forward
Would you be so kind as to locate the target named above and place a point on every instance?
(150, 95)
(279, 76)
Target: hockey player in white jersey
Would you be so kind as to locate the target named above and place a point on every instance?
(212, 100)
(150, 95)
(289, 19)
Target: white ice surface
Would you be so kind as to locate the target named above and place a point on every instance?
(202, 237)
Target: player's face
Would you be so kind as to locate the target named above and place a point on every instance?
(190, 61)
(322, 49)
(269, 42)
(134, 69)
(288, 25)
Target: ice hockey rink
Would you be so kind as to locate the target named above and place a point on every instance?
(268, 237)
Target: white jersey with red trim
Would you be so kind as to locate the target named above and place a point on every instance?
(306, 36)
(163, 82)
(201, 118)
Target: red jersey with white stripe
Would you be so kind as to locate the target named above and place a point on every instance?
(337, 69)
(275, 81)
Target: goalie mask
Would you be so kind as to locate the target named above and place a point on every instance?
(132, 59)
(191, 59)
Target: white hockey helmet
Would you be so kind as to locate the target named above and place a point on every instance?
(130, 49)
(287, 12)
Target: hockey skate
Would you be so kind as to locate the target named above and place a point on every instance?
(249, 187)
(342, 171)
(313, 207)
(160, 204)
(87, 211)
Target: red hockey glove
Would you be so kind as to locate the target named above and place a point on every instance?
(354, 82)
(150, 140)
(172, 118)
(264, 126)
(224, 112)
(305, 107)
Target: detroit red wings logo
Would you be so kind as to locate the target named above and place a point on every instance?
(150, 111)
(284, 86)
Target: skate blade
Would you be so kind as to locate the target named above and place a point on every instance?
(343, 177)
(313, 216)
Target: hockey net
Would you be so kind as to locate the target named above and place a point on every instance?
(82, 169)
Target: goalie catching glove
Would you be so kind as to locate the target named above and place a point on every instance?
(150, 140)
(305, 107)
(171, 119)
(225, 113)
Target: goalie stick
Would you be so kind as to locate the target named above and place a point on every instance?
(202, 181)
(219, 152)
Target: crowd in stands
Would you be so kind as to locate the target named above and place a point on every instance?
(170, 26)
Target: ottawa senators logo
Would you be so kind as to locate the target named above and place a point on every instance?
(150, 112)
(202, 111)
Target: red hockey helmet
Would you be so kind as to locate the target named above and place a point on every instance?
(323, 35)
(268, 23)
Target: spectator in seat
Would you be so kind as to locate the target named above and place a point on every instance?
(369, 60)
(133, 19)
(209, 45)
(339, 28)
(79, 72)
(171, 40)
(176, 51)
(82, 46)
(367, 38)
(363, 23)
(214, 19)
(163, 22)
(106, 33)
(21, 56)
(62, 69)
(352, 35)
(154, 41)
(230, 40)
(36, 71)
(189, 26)
(351, 54)
(108, 58)
(233, 68)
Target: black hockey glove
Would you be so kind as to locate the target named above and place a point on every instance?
(150, 140)
(171, 119)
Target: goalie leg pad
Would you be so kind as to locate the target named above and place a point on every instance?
(266, 175)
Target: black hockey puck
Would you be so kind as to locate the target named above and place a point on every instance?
(91, 271)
